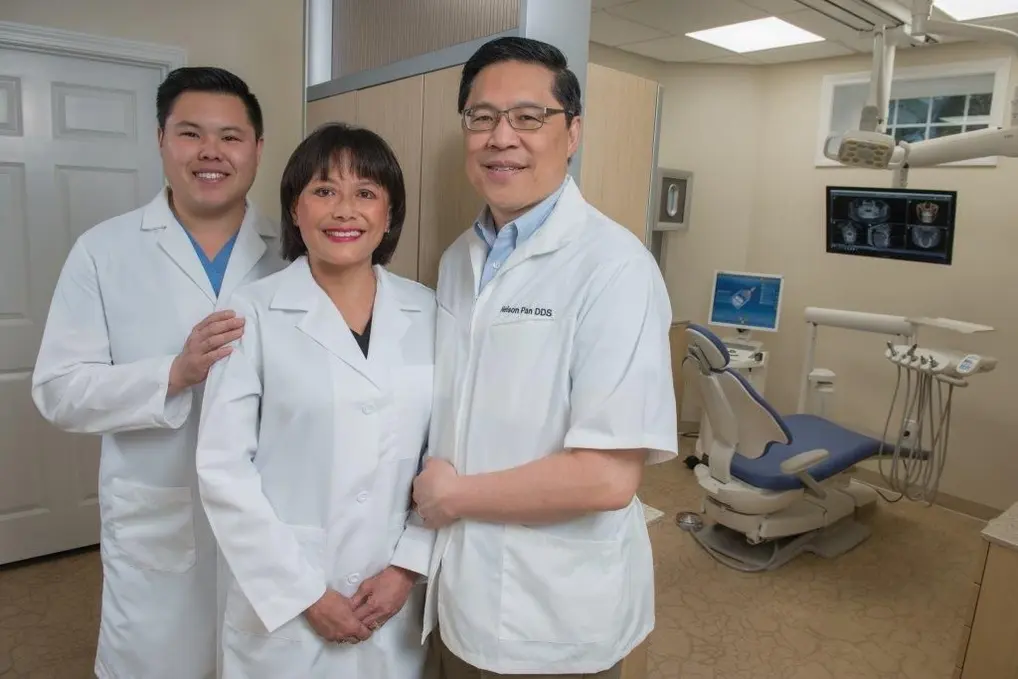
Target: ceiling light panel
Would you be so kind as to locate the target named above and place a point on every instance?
(753, 36)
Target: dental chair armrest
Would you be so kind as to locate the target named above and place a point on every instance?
(798, 464)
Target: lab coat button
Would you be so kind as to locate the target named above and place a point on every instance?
(362, 496)
(354, 578)
(367, 408)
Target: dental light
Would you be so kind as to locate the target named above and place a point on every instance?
(871, 147)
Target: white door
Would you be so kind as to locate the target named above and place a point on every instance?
(77, 145)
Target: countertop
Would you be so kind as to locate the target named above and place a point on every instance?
(1003, 530)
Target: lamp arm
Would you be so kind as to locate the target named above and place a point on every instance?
(875, 113)
(964, 146)
(974, 32)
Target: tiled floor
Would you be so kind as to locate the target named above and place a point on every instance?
(891, 609)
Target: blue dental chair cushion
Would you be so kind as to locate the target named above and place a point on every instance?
(809, 432)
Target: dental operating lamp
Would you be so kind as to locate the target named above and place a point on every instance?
(871, 147)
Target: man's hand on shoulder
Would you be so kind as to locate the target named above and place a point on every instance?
(208, 342)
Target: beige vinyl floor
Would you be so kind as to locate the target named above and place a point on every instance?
(891, 609)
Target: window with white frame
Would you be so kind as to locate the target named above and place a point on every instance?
(926, 103)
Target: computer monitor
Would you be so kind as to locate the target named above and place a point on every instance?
(746, 301)
(907, 224)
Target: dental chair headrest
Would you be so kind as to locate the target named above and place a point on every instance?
(707, 348)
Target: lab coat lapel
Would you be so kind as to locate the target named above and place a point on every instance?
(322, 321)
(248, 250)
(478, 254)
(390, 322)
(563, 224)
(175, 242)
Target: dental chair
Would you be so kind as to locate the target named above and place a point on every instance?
(775, 486)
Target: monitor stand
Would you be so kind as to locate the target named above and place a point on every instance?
(743, 341)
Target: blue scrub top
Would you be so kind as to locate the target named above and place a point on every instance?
(215, 268)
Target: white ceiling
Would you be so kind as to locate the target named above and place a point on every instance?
(657, 28)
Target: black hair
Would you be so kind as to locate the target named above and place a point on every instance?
(206, 79)
(565, 89)
(367, 155)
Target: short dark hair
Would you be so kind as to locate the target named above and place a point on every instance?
(367, 155)
(206, 79)
(566, 87)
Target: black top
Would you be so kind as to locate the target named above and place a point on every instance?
(364, 338)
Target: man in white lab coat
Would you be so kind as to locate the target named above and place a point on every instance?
(553, 390)
(139, 315)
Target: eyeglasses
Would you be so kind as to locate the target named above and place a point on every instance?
(485, 118)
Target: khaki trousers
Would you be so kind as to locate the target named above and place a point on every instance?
(442, 664)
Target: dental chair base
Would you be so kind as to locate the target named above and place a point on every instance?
(765, 541)
(762, 516)
(731, 548)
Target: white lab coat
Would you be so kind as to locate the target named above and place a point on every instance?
(306, 457)
(130, 291)
(566, 347)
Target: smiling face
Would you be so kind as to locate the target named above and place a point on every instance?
(516, 169)
(342, 218)
(210, 153)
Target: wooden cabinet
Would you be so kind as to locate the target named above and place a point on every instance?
(678, 341)
(619, 140)
(449, 203)
(396, 111)
(988, 646)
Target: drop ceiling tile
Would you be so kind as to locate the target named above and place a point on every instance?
(679, 17)
(817, 50)
(677, 48)
(610, 30)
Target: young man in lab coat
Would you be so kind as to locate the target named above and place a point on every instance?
(553, 391)
(139, 315)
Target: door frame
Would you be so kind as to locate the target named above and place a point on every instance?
(59, 42)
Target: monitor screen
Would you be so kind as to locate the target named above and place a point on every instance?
(746, 300)
(906, 224)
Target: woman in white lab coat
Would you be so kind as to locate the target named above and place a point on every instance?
(313, 428)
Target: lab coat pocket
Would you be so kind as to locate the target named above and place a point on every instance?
(537, 374)
(240, 614)
(151, 528)
(561, 590)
